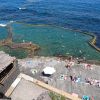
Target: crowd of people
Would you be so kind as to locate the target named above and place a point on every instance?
(93, 82)
(76, 78)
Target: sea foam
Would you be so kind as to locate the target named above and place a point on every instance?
(3, 25)
(21, 8)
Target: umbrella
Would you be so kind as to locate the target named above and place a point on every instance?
(49, 70)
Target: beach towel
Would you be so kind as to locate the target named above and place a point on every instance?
(85, 97)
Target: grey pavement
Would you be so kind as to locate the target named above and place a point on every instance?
(56, 80)
(26, 90)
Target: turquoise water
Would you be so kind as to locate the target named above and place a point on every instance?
(3, 33)
(55, 40)
(19, 53)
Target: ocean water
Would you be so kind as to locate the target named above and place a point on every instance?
(83, 15)
(3, 33)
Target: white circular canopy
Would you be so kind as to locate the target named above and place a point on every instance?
(49, 70)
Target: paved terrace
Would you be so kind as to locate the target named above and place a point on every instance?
(35, 66)
(28, 88)
(23, 88)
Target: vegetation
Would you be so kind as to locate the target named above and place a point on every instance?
(55, 96)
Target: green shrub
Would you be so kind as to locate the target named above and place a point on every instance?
(55, 96)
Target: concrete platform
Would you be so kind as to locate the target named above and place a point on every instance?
(26, 90)
(81, 88)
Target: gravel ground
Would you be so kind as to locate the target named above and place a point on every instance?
(60, 78)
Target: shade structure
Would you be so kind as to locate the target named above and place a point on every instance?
(49, 70)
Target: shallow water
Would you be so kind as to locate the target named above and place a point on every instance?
(3, 33)
(55, 40)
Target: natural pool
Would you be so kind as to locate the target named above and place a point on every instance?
(54, 40)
